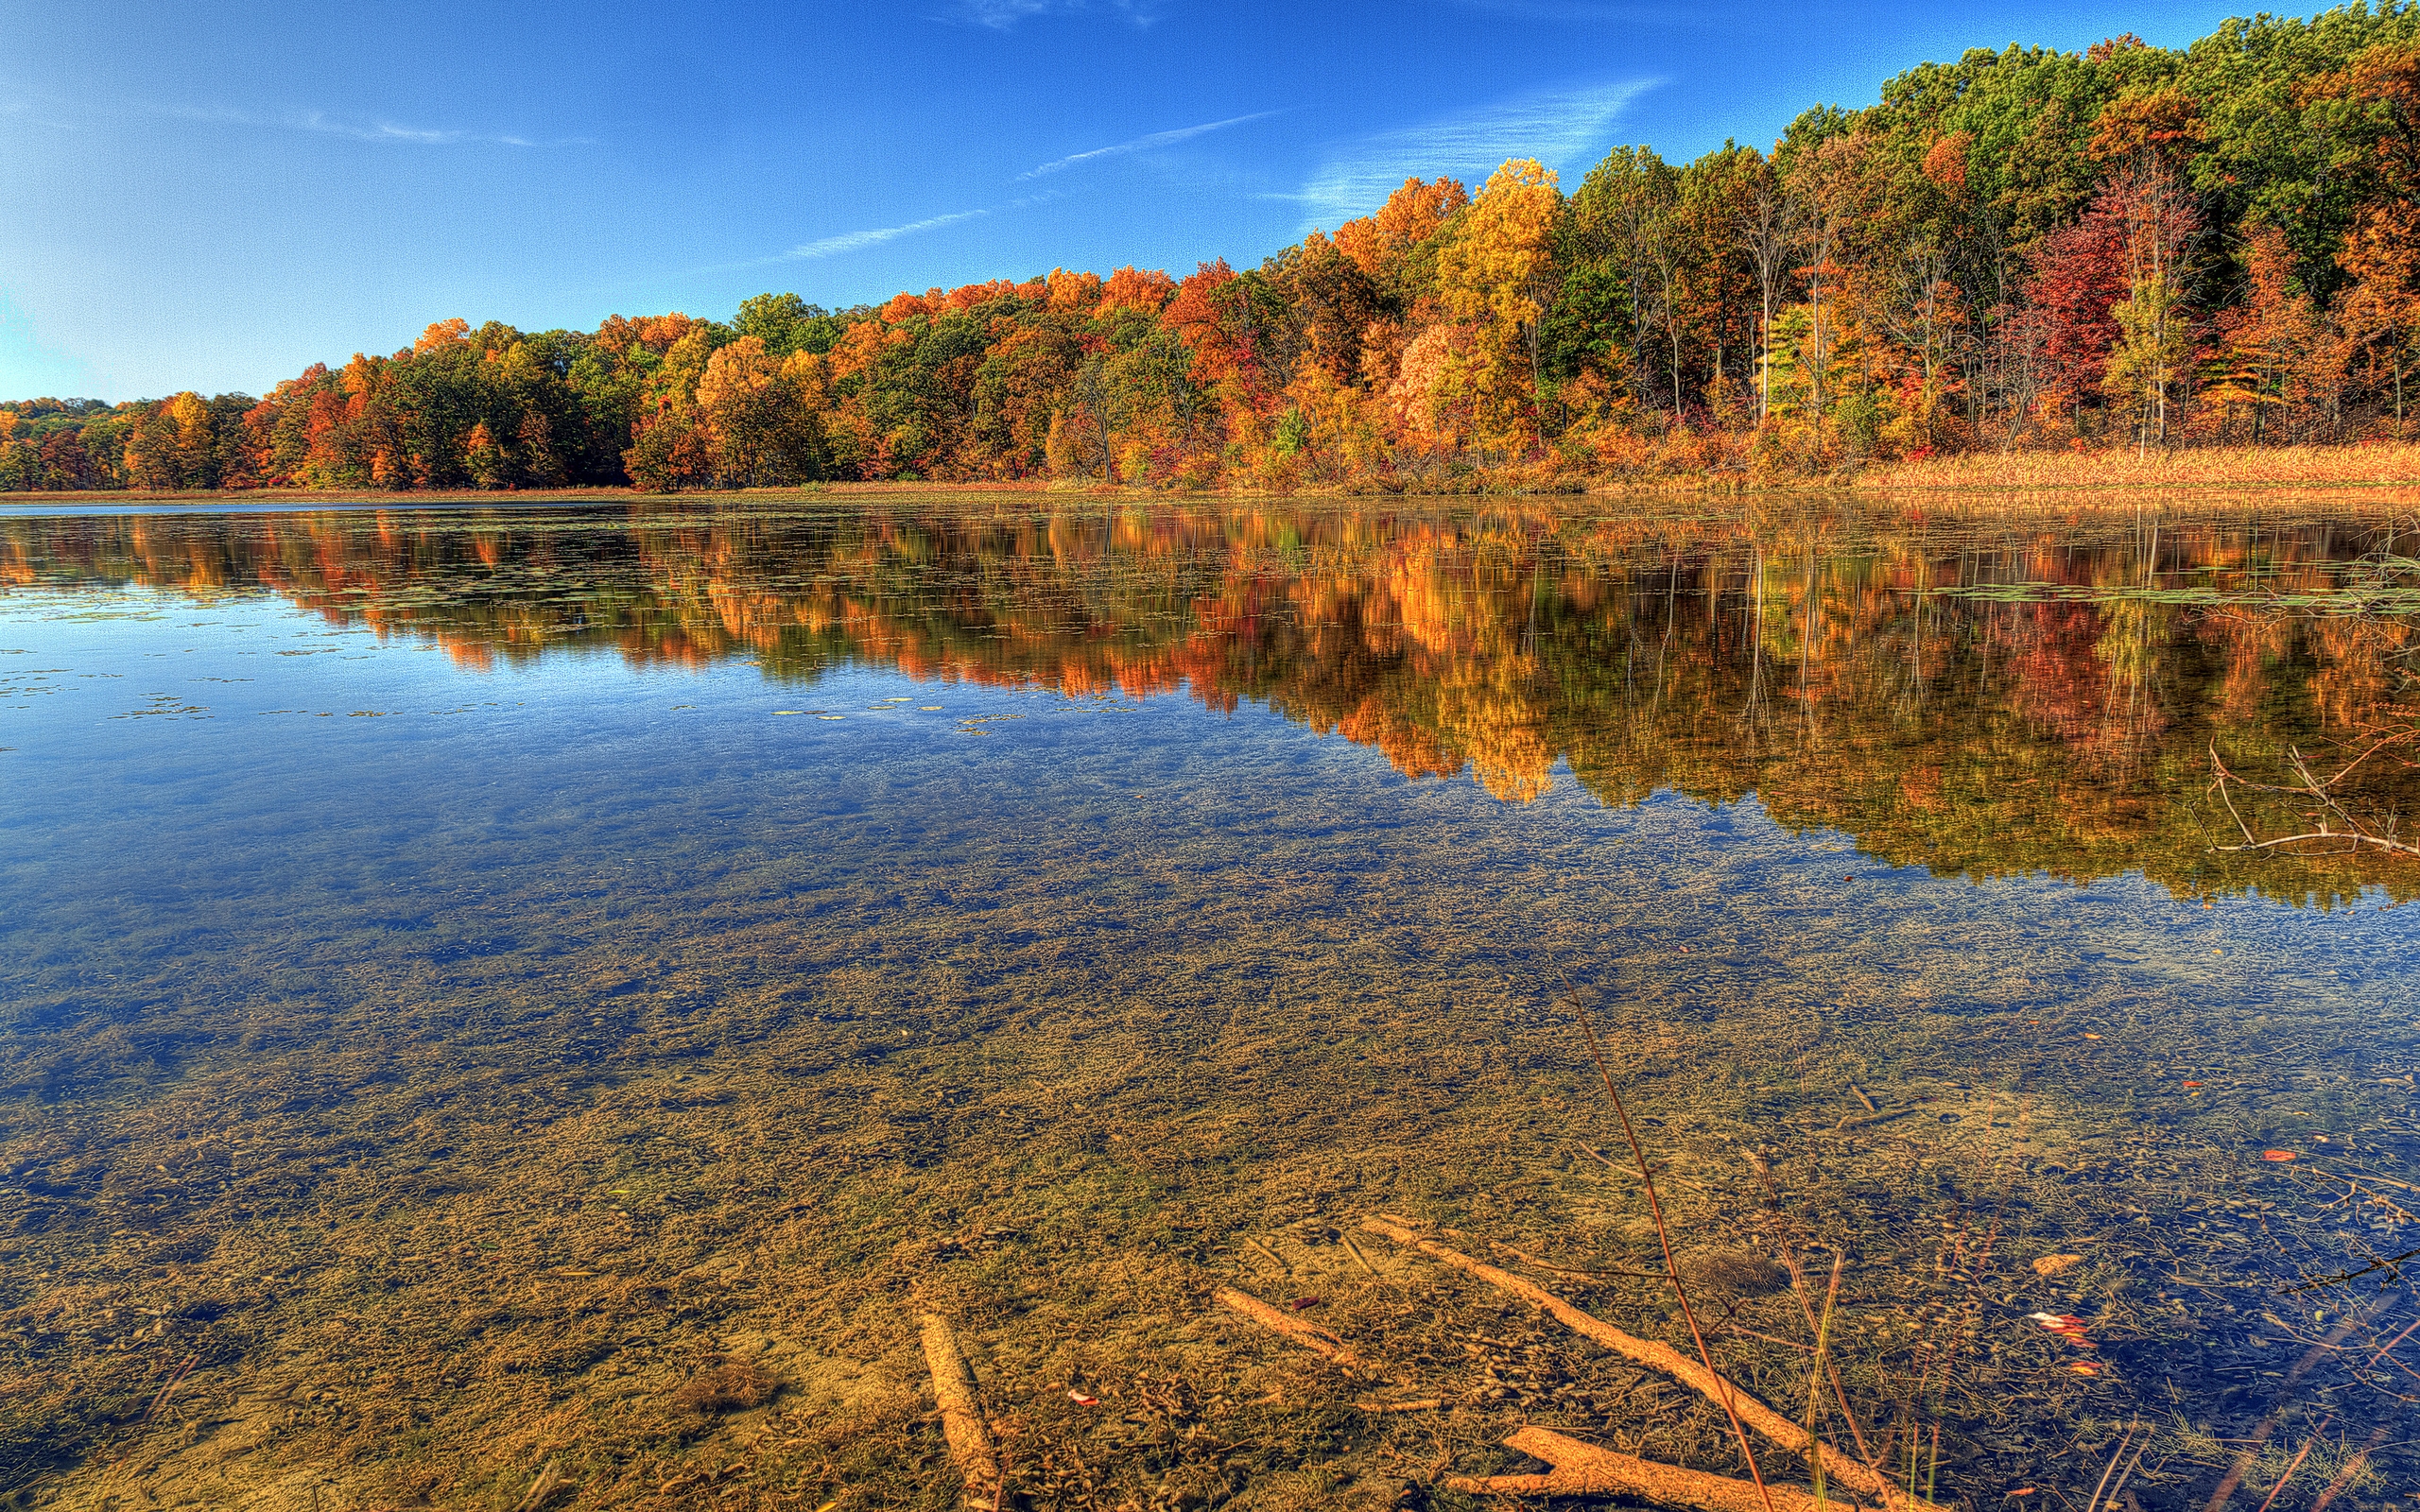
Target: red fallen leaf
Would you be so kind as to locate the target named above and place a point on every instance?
(2192, 1084)
(2083, 1370)
(2064, 1326)
(1301, 1303)
(2276, 1155)
(1083, 1400)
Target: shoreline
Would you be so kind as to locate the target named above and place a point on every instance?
(2364, 468)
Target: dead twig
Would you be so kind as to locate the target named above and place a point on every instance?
(2124, 1443)
(2392, 1263)
(2346, 830)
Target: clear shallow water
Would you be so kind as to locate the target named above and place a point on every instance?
(468, 972)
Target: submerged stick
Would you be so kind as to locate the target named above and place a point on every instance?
(1527, 1259)
(1318, 1341)
(1584, 1469)
(1656, 1355)
(1619, 1169)
(1868, 1119)
(1355, 1250)
(962, 1425)
(2296, 1465)
(543, 1490)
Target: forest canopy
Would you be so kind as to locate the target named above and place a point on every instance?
(2022, 250)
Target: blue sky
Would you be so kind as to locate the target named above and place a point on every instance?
(214, 197)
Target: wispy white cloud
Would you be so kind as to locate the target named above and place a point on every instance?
(1583, 12)
(1144, 144)
(856, 240)
(1000, 15)
(1562, 129)
(322, 124)
(851, 241)
(21, 112)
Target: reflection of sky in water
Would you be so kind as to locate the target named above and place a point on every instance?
(246, 834)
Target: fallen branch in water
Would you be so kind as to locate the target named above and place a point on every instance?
(1584, 1469)
(962, 1425)
(1661, 1357)
(2338, 832)
(1318, 1341)
(2392, 1263)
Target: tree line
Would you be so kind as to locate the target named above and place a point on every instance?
(2023, 250)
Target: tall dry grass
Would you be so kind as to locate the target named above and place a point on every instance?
(2370, 464)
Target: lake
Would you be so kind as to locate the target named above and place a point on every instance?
(512, 1006)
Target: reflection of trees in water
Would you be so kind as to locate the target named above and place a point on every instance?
(1840, 669)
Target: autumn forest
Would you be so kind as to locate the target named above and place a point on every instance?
(2026, 250)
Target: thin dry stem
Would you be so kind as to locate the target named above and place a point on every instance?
(1655, 1207)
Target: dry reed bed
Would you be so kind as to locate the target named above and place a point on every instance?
(2377, 465)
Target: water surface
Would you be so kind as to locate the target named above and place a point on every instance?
(472, 973)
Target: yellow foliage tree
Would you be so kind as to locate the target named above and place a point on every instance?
(1497, 277)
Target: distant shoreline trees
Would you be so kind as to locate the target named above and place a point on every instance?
(2024, 250)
